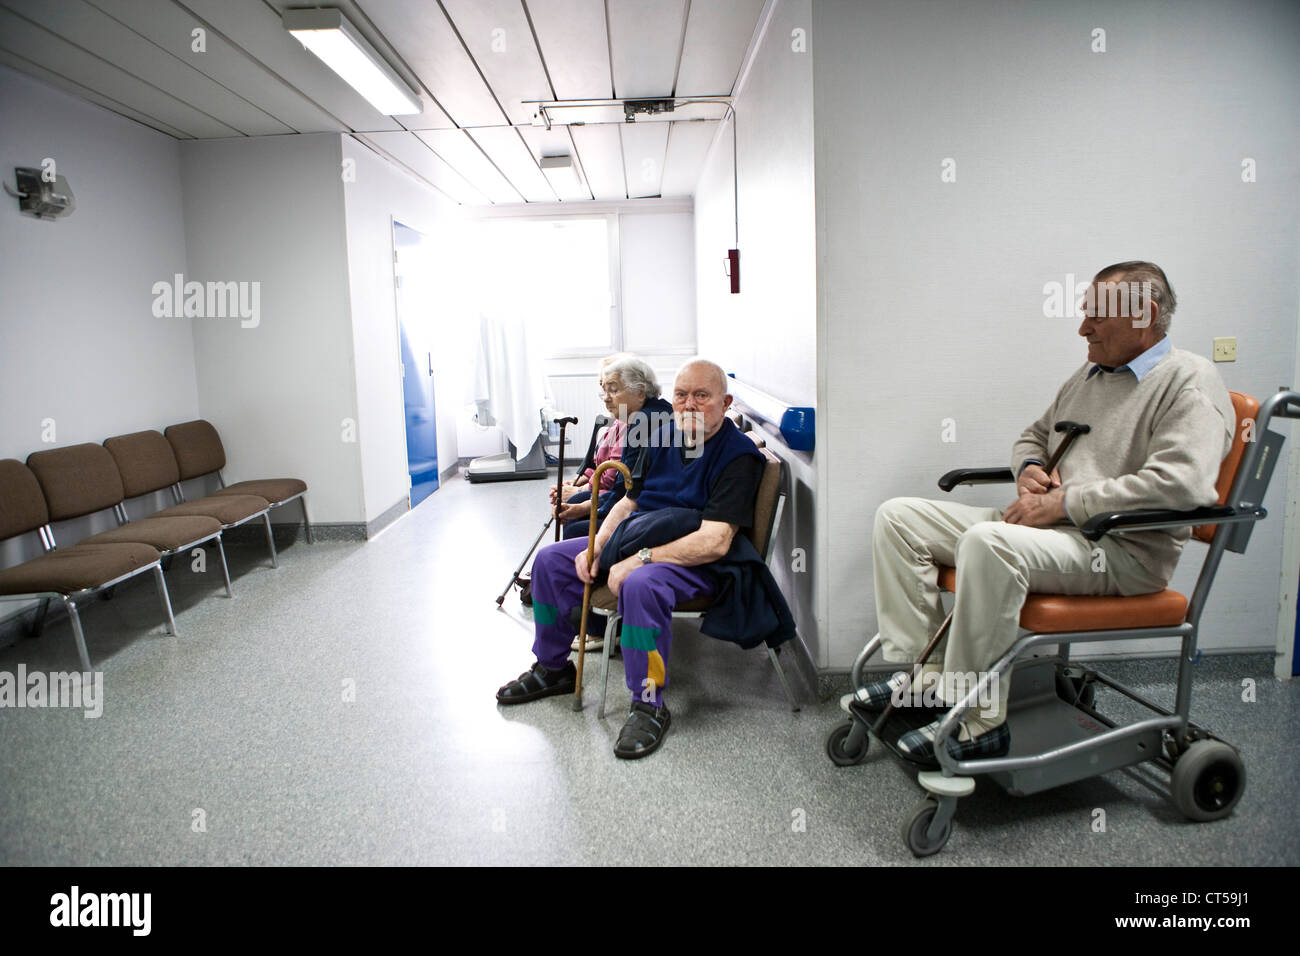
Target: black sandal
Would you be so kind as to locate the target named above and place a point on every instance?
(538, 682)
(644, 731)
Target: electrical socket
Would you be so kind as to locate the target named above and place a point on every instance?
(1225, 350)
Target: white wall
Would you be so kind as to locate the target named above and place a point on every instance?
(82, 358)
(657, 255)
(767, 333)
(379, 194)
(270, 209)
(78, 341)
(932, 292)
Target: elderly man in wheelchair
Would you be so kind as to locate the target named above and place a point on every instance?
(1155, 424)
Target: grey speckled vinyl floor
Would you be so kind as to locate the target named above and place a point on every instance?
(233, 743)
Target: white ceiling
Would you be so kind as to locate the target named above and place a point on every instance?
(474, 63)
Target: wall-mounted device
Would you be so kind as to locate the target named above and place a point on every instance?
(40, 197)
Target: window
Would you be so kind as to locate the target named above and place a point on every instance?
(561, 275)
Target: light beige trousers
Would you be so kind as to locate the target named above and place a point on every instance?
(997, 565)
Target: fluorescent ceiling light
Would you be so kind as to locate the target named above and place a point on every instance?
(345, 51)
(561, 171)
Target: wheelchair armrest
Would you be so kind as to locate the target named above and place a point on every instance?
(1152, 519)
(974, 476)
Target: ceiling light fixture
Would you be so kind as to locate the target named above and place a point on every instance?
(333, 38)
(560, 171)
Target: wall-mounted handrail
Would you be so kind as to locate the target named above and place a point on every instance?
(796, 423)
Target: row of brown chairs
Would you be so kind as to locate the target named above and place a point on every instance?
(80, 480)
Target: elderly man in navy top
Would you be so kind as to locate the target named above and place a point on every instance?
(699, 460)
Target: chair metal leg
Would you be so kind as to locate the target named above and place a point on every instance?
(306, 520)
(77, 633)
(270, 539)
(38, 624)
(165, 598)
(612, 625)
(785, 685)
(225, 570)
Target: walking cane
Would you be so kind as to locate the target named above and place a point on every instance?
(559, 483)
(586, 590)
(1072, 431)
(559, 474)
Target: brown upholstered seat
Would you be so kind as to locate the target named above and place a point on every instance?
(604, 599)
(79, 568)
(274, 490)
(71, 571)
(81, 479)
(199, 452)
(228, 509)
(163, 533)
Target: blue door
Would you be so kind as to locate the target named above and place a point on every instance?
(413, 276)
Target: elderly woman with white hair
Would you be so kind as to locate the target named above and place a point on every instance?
(631, 393)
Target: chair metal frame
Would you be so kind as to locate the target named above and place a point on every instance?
(71, 598)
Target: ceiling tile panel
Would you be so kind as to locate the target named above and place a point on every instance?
(421, 35)
(501, 44)
(515, 160)
(646, 37)
(644, 147)
(462, 154)
(688, 143)
(24, 38)
(92, 29)
(601, 152)
(92, 96)
(717, 35)
(170, 27)
(575, 46)
(415, 154)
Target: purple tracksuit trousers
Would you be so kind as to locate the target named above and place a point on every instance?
(646, 601)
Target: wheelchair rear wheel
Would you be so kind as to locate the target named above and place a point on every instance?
(1208, 780)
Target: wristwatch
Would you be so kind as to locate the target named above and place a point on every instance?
(644, 555)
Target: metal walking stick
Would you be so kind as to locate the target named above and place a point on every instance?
(559, 483)
(559, 474)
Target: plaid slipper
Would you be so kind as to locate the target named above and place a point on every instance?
(919, 744)
(874, 696)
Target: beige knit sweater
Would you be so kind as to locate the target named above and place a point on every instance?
(1157, 443)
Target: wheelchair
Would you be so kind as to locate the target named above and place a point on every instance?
(1058, 736)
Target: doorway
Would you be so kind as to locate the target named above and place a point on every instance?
(413, 272)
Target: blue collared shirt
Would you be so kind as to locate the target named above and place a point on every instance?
(1142, 364)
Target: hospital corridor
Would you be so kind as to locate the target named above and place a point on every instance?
(647, 433)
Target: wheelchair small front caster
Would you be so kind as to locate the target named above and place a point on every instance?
(916, 829)
(839, 749)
